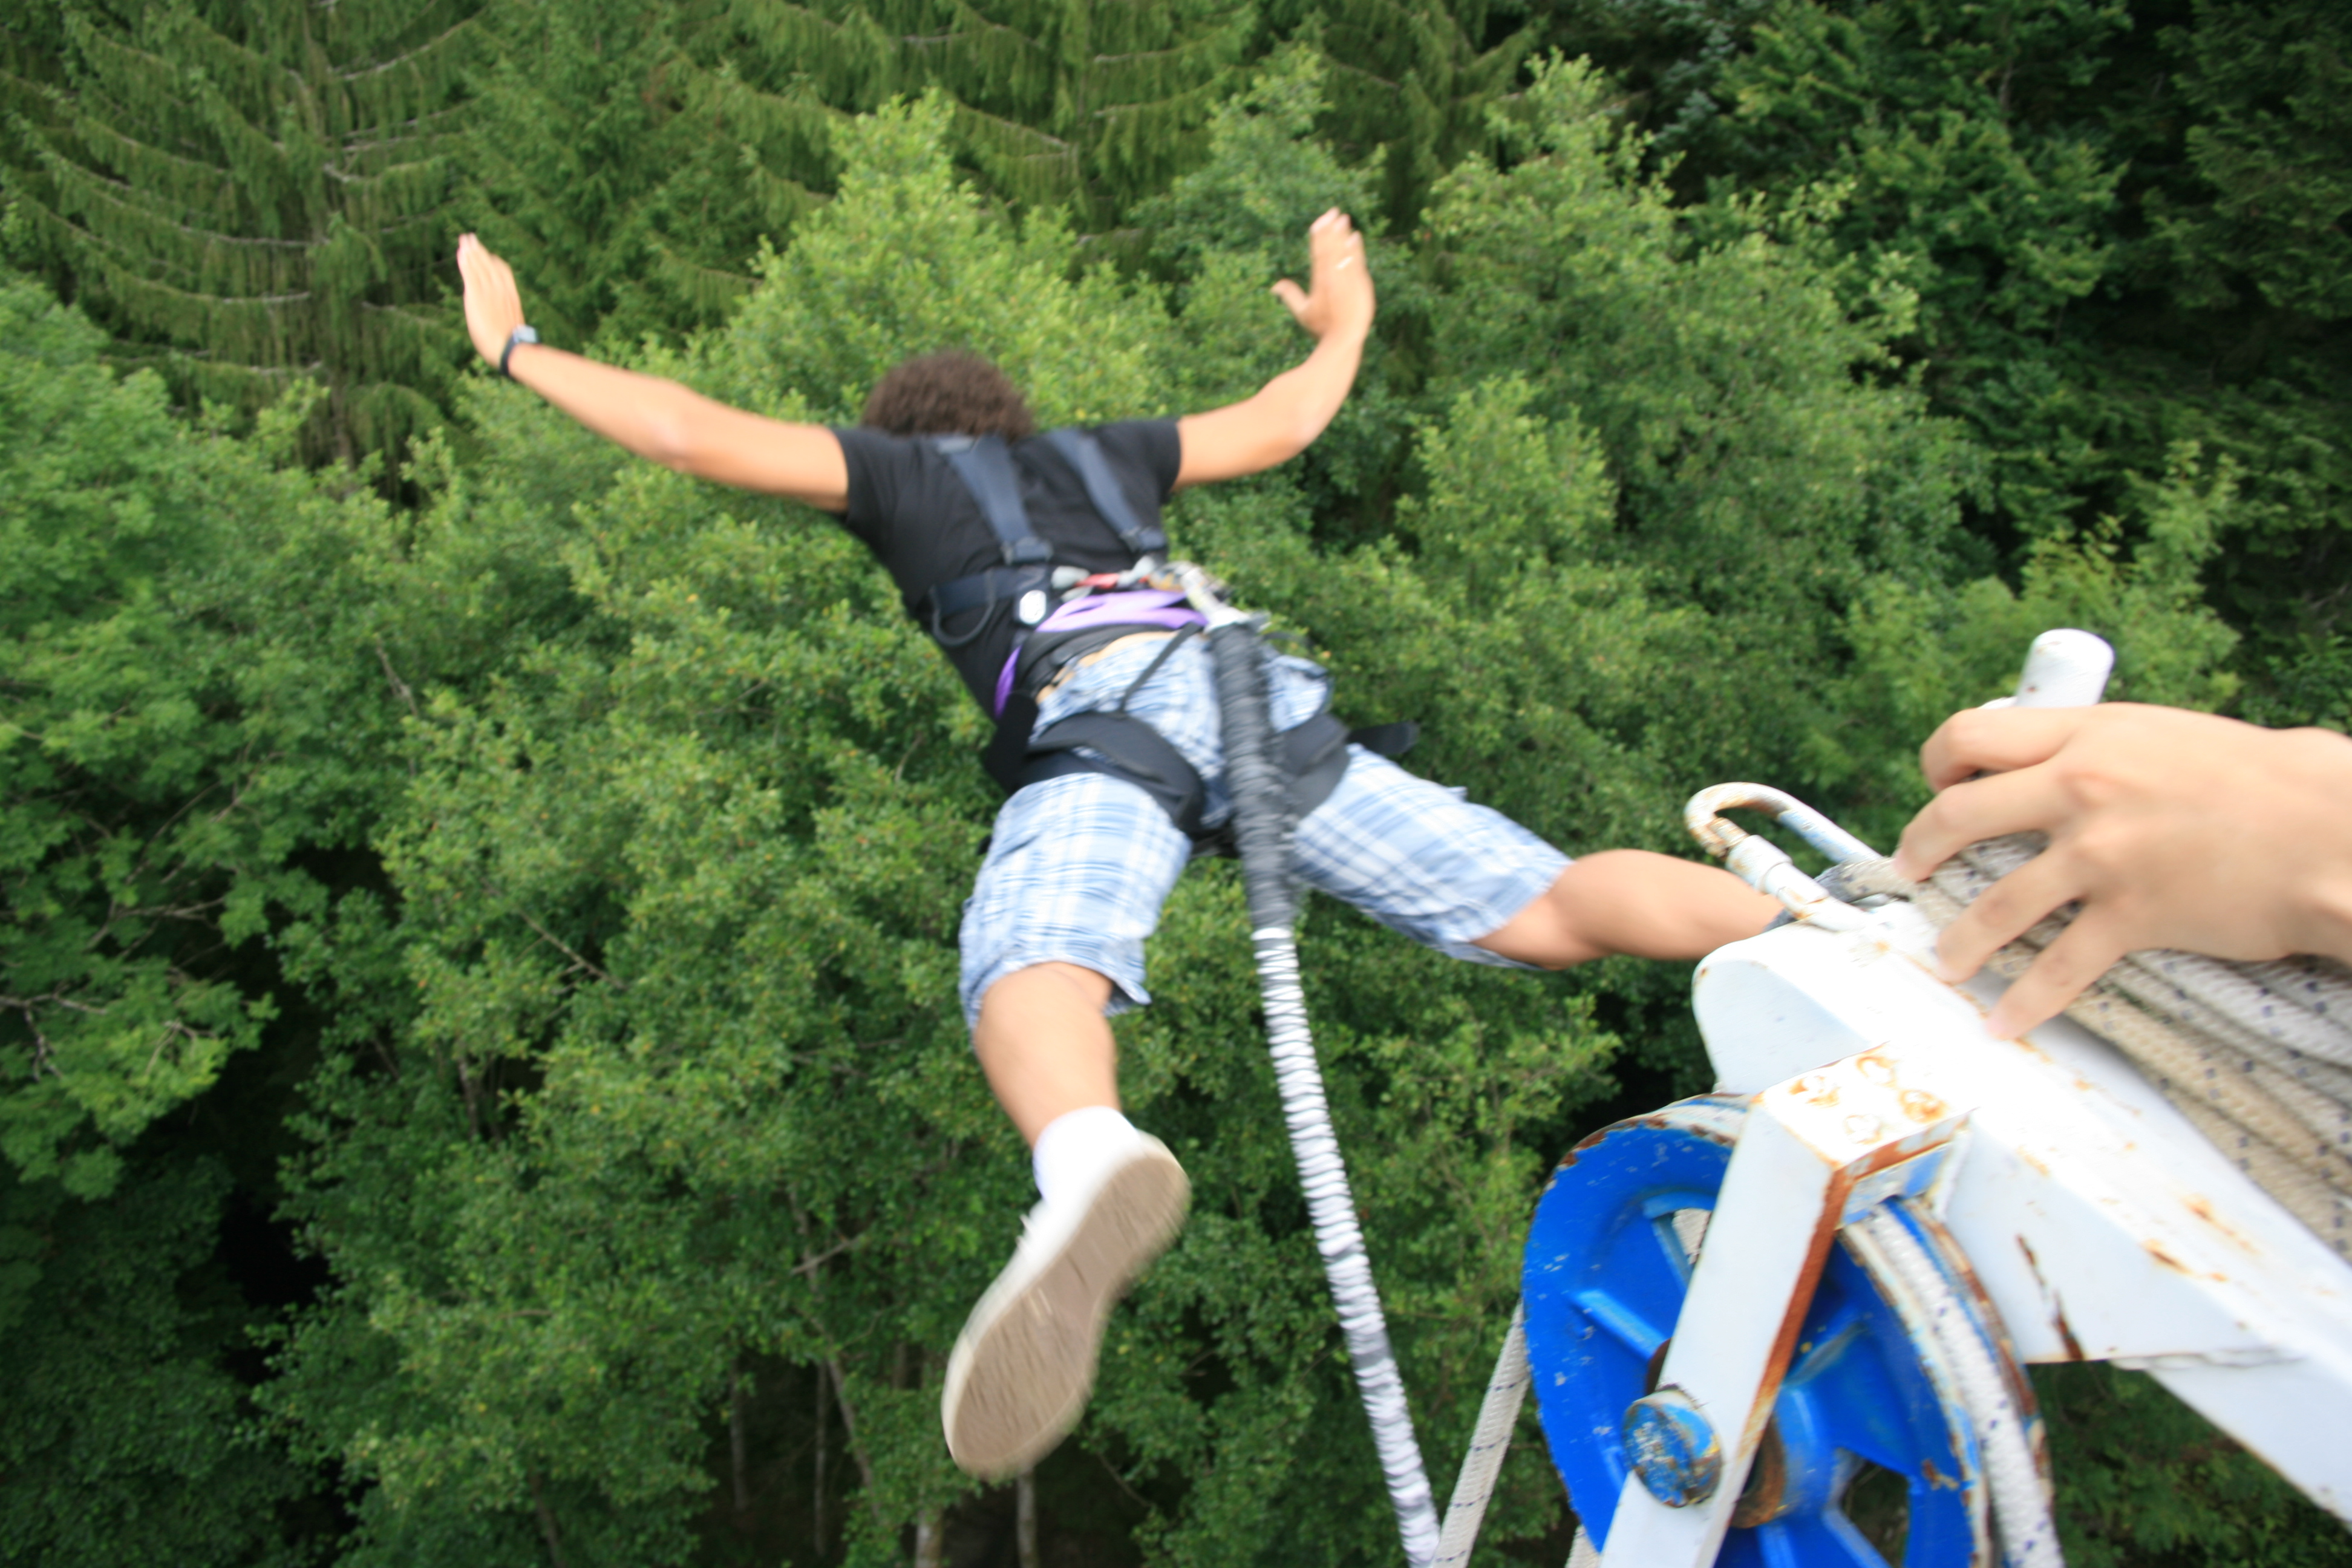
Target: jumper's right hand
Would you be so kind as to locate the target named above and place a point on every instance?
(493, 303)
(1338, 298)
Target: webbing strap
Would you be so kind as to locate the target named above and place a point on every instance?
(1130, 748)
(1311, 758)
(1083, 453)
(985, 466)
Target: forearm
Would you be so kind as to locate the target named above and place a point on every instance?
(1276, 423)
(1285, 414)
(1296, 406)
(647, 414)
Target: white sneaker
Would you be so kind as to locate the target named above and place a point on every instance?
(1025, 1361)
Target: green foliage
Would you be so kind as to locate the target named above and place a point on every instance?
(1071, 103)
(249, 194)
(588, 842)
(1923, 653)
(161, 775)
(1972, 179)
(607, 168)
(1414, 86)
(122, 1439)
(2124, 235)
(2146, 1479)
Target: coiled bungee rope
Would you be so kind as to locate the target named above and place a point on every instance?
(2258, 1057)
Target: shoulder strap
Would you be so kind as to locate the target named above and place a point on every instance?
(1083, 452)
(985, 467)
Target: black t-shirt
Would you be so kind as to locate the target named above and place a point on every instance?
(908, 505)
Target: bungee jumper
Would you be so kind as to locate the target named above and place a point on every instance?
(1036, 563)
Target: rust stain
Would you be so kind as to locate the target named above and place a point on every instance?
(1936, 1478)
(2065, 1331)
(2156, 1250)
(2057, 1308)
(2202, 1208)
(1922, 1107)
(1874, 1068)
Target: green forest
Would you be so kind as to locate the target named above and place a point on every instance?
(481, 1079)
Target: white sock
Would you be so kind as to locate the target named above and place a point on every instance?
(1074, 1145)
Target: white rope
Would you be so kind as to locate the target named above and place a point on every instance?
(1489, 1442)
(1341, 1242)
(2020, 1501)
(2258, 1057)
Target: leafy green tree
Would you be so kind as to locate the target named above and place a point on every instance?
(2143, 1479)
(2247, 201)
(1414, 84)
(159, 781)
(253, 196)
(2122, 224)
(122, 1437)
(1977, 179)
(173, 772)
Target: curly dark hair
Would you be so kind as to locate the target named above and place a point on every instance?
(950, 394)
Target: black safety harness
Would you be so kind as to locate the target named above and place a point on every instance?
(1314, 755)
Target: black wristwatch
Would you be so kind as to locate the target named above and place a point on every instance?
(522, 334)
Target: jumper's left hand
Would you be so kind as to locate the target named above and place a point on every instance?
(493, 303)
(1339, 296)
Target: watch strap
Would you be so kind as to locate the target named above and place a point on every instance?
(522, 334)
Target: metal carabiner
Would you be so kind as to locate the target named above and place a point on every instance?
(1765, 866)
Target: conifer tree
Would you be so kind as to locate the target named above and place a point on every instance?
(1081, 101)
(253, 194)
(631, 185)
(1413, 83)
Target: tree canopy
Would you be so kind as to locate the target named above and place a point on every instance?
(479, 1072)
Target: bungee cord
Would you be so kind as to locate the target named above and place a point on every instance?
(1261, 832)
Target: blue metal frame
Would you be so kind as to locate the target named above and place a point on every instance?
(1604, 1279)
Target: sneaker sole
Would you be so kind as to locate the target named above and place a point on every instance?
(1025, 1363)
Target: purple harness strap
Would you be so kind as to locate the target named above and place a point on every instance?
(1145, 609)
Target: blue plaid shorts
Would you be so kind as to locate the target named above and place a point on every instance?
(1081, 864)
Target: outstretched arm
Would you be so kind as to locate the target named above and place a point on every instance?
(2172, 829)
(1291, 410)
(653, 417)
